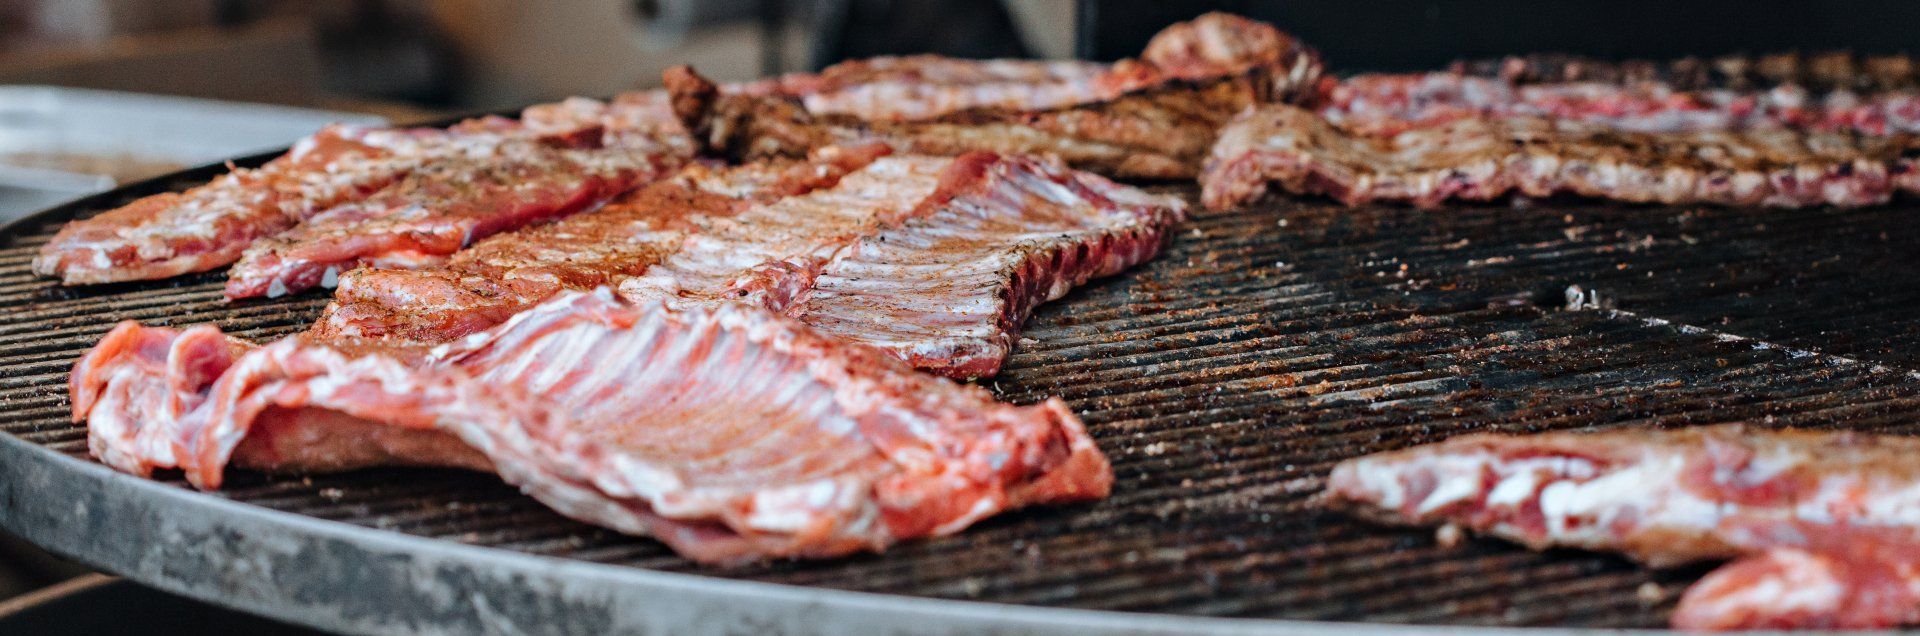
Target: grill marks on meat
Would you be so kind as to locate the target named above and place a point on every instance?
(207, 227)
(1146, 118)
(345, 175)
(1490, 158)
(949, 291)
(1817, 519)
(1387, 104)
(729, 433)
(927, 87)
(511, 182)
(497, 277)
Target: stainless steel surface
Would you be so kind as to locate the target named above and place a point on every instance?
(1224, 379)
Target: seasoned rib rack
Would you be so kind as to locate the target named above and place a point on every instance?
(1223, 379)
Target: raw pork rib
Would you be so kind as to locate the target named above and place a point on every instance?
(1826, 522)
(1818, 72)
(487, 283)
(1147, 118)
(949, 290)
(1387, 104)
(1489, 158)
(210, 226)
(728, 433)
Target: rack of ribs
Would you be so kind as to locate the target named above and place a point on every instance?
(1822, 525)
(937, 259)
(728, 432)
(1487, 158)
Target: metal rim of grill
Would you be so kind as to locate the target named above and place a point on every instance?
(1223, 379)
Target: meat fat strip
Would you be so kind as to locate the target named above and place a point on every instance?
(729, 433)
(1479, 159)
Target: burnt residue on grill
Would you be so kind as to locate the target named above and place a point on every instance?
(1226, 378)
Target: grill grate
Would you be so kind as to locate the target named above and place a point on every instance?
(1224, 380)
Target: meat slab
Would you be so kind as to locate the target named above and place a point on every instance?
(347, 175)
(1152, 117)
(1387, 104)
(487, 283)
(729, 433)
(1825, 526)
(1486, 158)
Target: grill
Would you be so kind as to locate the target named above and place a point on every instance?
(1224, 379)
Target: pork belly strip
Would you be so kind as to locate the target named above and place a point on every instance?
(497, 277)
(1490, 158)
(729, 433)
(924, 87)
(1387, 104)
(210, 226)
(1807, 510)
(949, 291)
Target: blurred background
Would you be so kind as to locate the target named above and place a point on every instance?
(196, 81)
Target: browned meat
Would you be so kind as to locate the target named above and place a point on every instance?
(728, 433)
(1147, 118)
(1813, 513)
(485, 284)
(1485, 158)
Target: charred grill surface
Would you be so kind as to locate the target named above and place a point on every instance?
(1224, 380)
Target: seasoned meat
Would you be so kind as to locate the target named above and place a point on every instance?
(487, 283)
(1485, 158)
(1148, 118)
(344, 175)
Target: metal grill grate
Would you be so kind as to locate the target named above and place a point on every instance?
(1225, 378)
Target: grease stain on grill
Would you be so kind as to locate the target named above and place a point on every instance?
(1226, 378)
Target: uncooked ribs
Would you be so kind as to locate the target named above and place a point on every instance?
(728, 433)
(1802, 506)
(483, 285)
(1386, 104)
(948, 291)
(212, 225)
(1489, 158)
(1147, 118)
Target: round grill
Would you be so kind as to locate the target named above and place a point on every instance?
(1224, 379)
